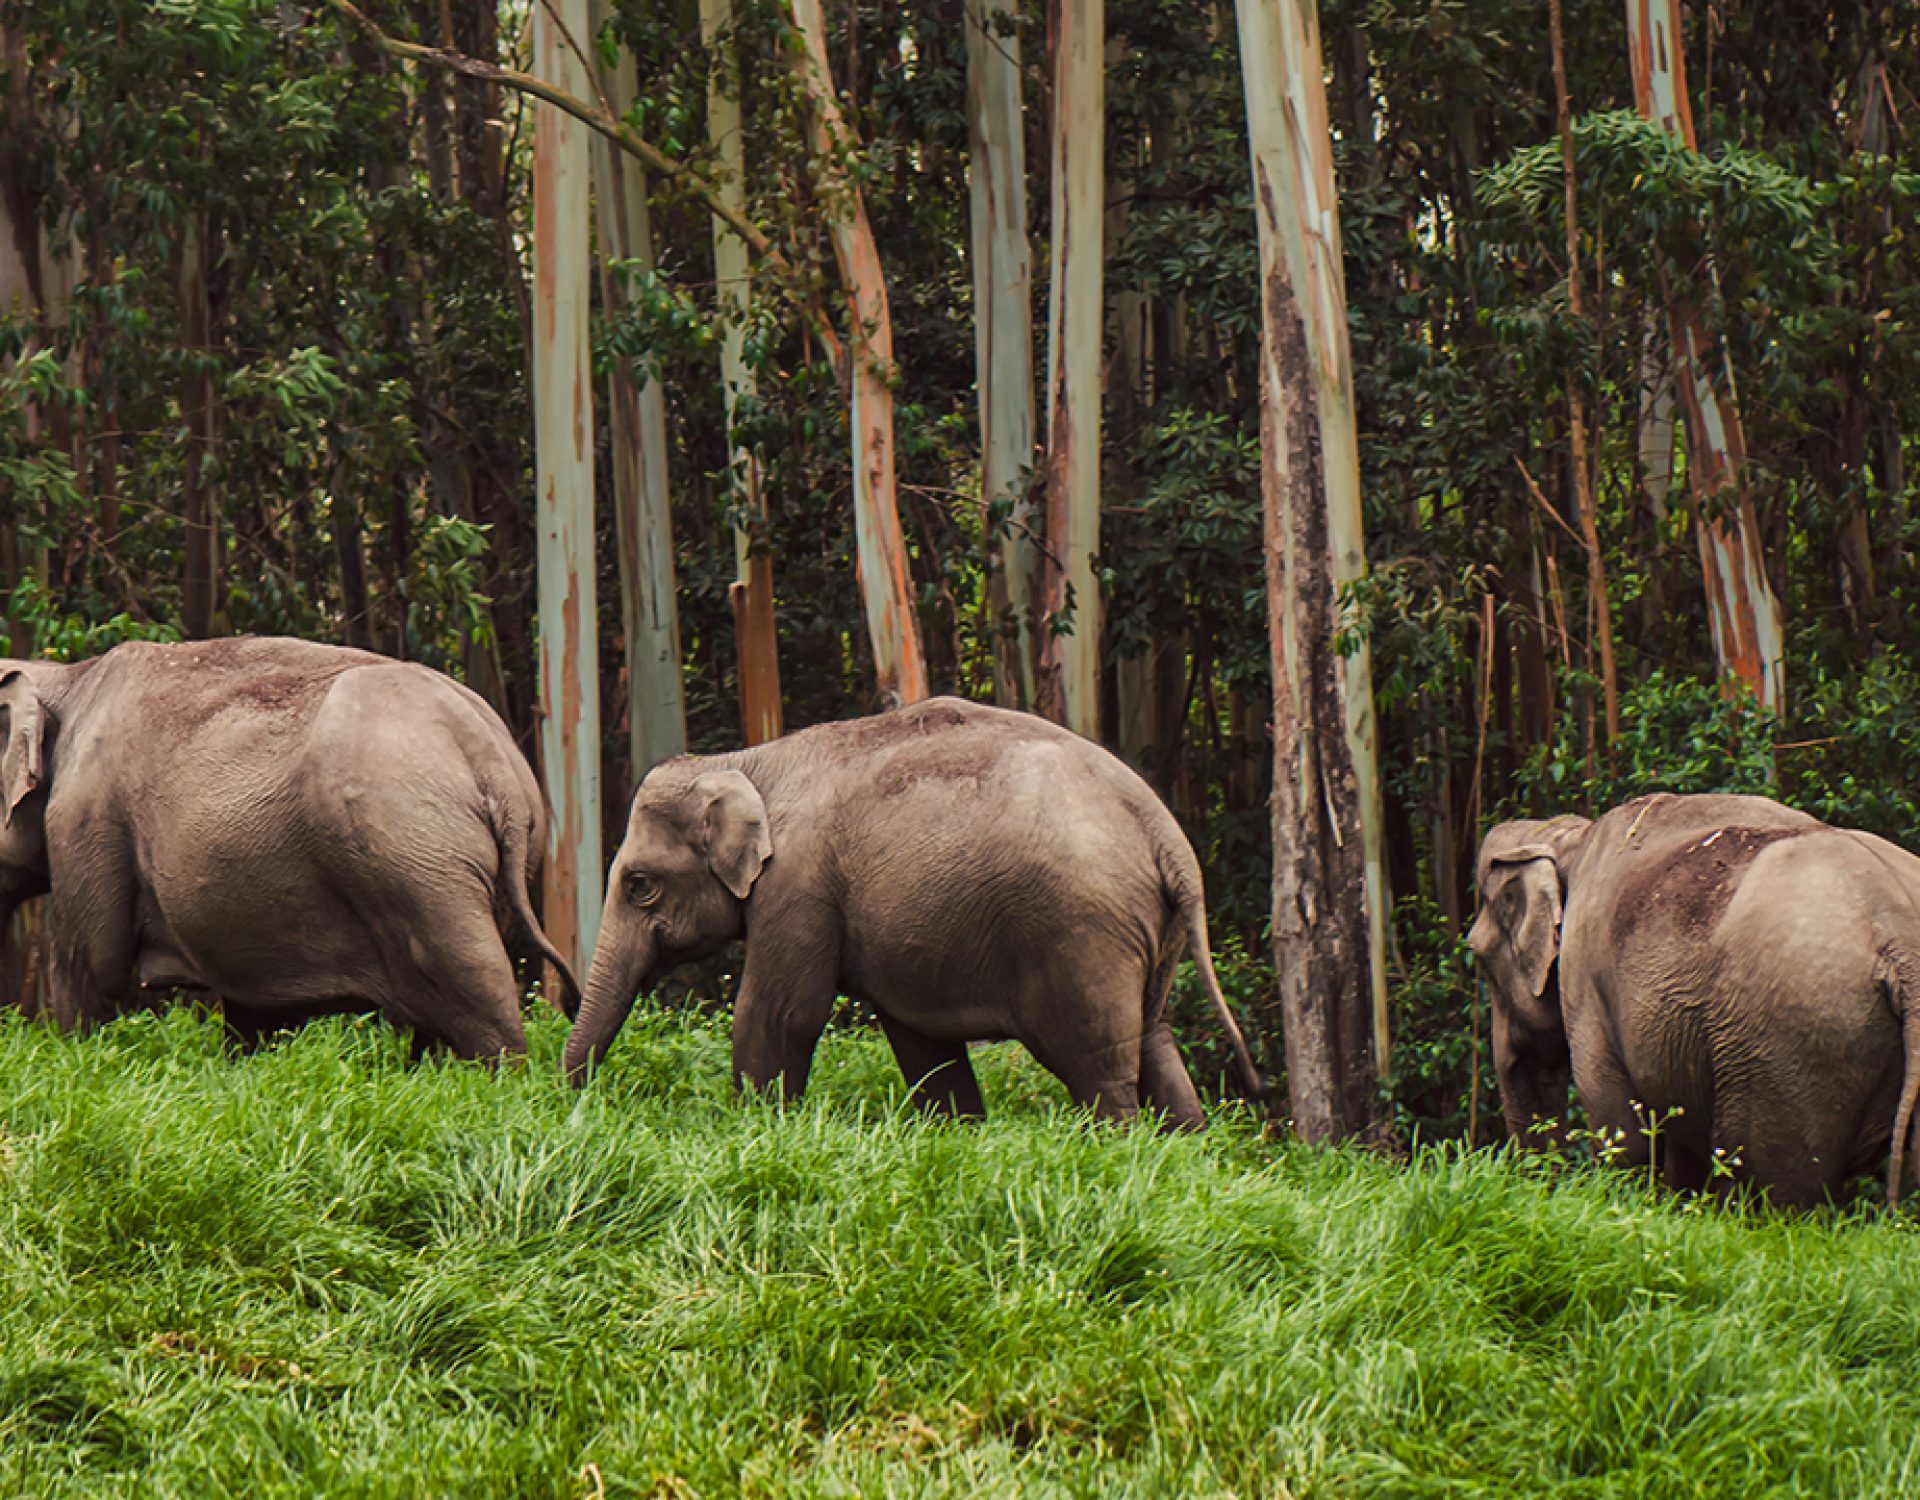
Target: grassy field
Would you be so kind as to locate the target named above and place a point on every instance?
(319, 1270)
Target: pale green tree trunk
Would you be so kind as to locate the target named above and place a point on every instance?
(757, 646)
(1329, 886)
(637, 423)
(563, 464)
(1003, 328)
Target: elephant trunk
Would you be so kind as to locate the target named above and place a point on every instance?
(613, 983)
(1533, 1093)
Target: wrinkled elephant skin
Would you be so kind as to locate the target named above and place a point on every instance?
(968, 872)
(1730, 985)
(296, 828)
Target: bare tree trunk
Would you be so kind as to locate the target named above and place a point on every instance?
(757, 648)
(637, 420)
(1069, 686)
(1329, 899)
(493, 669)
(563, 423)
(1576, 396)
(1003, 332)
(1748, 630)
(885, 584)
(199, 549)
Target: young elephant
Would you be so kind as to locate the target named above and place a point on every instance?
(968, 872)
(1741, 976)
(298, 828)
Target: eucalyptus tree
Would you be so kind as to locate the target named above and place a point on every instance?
(563, 458)
(1329, 894)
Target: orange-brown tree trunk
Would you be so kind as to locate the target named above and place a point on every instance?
(1748, 629)
(885, 584)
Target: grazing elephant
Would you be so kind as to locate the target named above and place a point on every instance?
(298, 828)
(1742, 976)
(968, 872)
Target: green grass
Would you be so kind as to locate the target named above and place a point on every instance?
(319, 1270)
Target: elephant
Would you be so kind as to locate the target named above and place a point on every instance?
(970, 873)
(297, 828)
(1732, 988)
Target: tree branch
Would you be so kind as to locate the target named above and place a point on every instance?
(601, 119)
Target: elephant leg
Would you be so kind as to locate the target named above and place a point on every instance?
(90, 950)
(463, 994)
(1101, 1073)
(785, 1000)
(1165, 1084)
(940, 1072)
(1681, 1167)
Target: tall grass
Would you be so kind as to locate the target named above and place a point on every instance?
(320, 1270)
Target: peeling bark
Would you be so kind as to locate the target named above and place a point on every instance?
(881, 550)
(1069, 678)
(1328, 883)
(563, 462)
(1003, 332)
(1748, 629)
(757, 648)
(637, 425)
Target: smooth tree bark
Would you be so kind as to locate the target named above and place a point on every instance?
(881, 550)
(563, 464)
(1069, 688)
(637, 425)
(1748, 628)
(1329, 897)
(1003, 332)
(1598, 601)
(757, 644)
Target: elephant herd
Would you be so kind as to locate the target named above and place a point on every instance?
(1731, 988)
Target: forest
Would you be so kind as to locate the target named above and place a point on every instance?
(1373, 420)
(1634, 340)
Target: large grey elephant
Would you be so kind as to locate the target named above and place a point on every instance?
(1740, 976)
(969, 872)
(298, 828)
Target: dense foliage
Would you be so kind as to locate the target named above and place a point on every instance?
(369, 455)
(321, 1270)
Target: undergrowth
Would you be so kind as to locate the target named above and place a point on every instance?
(320, 1270)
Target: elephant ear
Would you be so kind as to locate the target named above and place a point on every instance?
(1518, 926)
(23, 724)
(735, 822)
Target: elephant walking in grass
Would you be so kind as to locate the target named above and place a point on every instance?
(1729, 984)
(968, 872)
(298, 828)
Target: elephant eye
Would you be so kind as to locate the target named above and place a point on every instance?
(641, 890)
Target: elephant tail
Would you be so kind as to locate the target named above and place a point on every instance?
(1182, 880)
(510, 833)
(1907, 991)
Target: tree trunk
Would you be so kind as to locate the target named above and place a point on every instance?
(1329, 913)
(637, 419)
(1576, 396)
(501, 671)
(563, 462)
(1003, 334)
(1069, 687)
(757, 645)
(1748, 630)
(885, 584)
(199, 546)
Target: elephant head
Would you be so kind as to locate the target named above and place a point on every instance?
(1516, 937)
(696, 842)
(24, 772)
